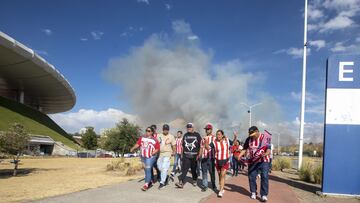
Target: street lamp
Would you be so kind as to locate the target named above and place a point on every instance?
(249, 110)
(278, 141)
(302, 111)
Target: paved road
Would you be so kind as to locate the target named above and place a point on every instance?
(236, 191)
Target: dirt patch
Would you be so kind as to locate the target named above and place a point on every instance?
(45, 177)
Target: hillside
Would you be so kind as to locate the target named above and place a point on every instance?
(34, 121)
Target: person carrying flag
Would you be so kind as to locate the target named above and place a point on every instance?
(259, 148)
(149, 147)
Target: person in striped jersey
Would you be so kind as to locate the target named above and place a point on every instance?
(221, 147)
(259, 148)
(207, 159)
(149, 147)
(177, 157)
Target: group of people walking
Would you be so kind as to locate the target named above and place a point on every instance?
(211, 153)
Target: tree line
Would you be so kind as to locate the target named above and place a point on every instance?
(118, 139)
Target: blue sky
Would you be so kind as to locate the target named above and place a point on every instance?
(80, 37)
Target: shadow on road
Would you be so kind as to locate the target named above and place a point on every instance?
(296, 184)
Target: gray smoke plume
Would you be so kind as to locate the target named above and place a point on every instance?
(170, 78)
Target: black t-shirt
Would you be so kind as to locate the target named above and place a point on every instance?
(191, 144)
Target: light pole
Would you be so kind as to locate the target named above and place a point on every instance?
(302, 112)
(250, 110)
(278, 142)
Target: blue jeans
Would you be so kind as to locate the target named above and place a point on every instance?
(164, 164)
(177, 158)
(235, 165)
(208, 165)
(263, 169)
(148, 165)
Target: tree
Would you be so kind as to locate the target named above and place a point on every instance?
(121, 138)
(14, 142)
(89, 139)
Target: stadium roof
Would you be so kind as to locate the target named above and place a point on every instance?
(41, 85)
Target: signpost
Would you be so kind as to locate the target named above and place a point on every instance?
(341, 165)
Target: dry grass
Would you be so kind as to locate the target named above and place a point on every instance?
(45, 177)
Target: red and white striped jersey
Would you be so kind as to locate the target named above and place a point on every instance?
(147, 146)
(221, 148)
(254, 148)
(156, 135)
(179, 145)
(207, 153)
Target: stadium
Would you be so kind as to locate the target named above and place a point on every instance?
(31, 88)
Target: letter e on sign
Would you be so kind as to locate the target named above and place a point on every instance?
(342, 71)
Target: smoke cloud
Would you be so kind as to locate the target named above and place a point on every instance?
(172, 79)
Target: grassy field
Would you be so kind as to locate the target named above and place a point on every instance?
(34, 121)
(45, 177)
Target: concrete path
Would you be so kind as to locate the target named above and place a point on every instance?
(236, 191)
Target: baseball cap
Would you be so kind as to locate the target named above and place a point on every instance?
(166, 127)
(208, 126)
(252, 129)
(189, 125)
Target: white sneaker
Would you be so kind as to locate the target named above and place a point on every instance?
(220, 194)
(253, 195)
(264, 198)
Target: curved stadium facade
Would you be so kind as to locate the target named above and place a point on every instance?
(31, 88)
(29, 79)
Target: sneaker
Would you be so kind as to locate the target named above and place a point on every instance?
(194, 183)
(161, 186)
(253, 195)
(203, 189)
(172, 174)
(179, 185)
(145, 187)
(221, 193)
(264, 198)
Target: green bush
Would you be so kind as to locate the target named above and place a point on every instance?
(318, 174)
(305, 172)
(281, 163)
(311, 171)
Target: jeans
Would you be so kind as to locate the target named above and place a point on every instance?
(156, 168)
(235, 165)
(177, 161)
(164, 164)
(263, 169)
(208, 165)
(186, 164)
(148, 165)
